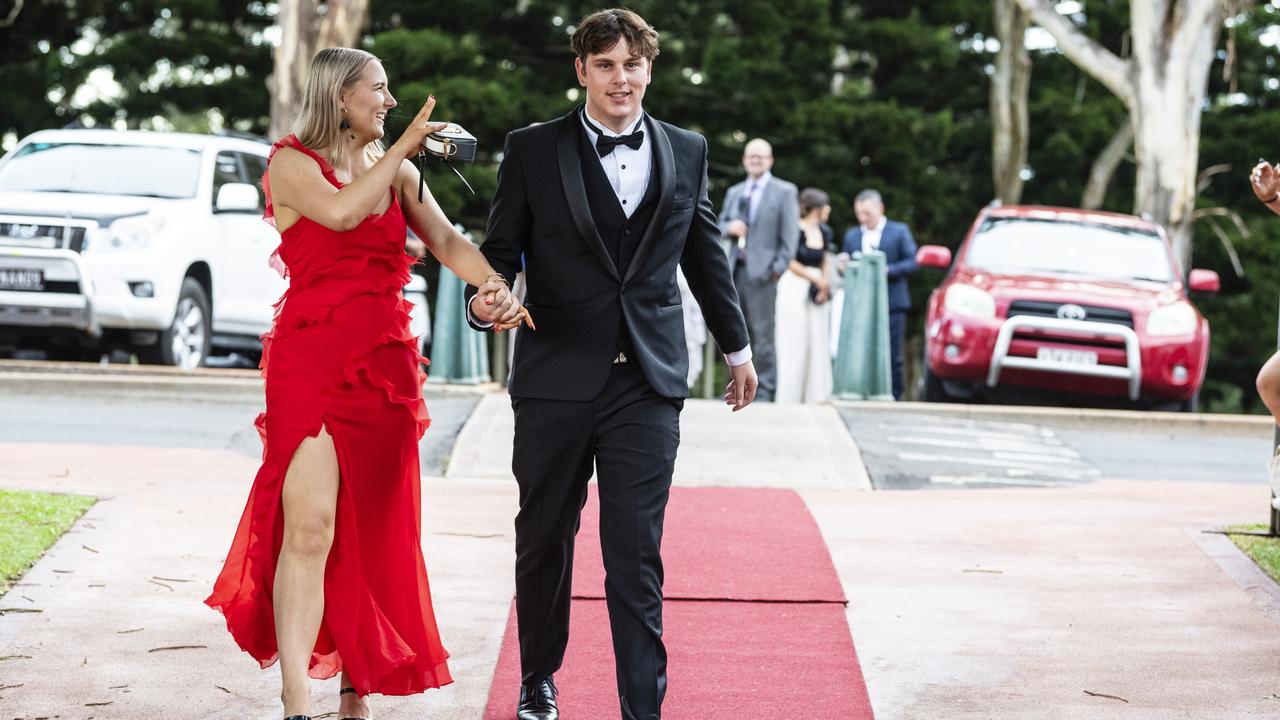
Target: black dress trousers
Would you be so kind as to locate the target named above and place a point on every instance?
(631, 434)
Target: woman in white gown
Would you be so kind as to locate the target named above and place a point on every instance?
(803, 317)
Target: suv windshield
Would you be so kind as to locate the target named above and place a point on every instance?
(164, 172)
(1058, 247)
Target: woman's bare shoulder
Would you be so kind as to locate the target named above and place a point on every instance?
(289, 160)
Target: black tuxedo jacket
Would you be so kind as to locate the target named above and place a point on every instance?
(580, 301)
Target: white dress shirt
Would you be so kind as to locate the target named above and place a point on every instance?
(871, 237)
(628, 172)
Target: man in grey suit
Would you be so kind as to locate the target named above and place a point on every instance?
(760, 226)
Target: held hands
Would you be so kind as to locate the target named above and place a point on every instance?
(741, 389)
(415, 248)
(410, 143)
(495, 304)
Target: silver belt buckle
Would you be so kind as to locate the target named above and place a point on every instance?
(622, 358)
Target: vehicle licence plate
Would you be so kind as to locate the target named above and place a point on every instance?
(1071, 357)
(15, 279)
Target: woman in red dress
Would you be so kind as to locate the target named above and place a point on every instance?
(326, 571)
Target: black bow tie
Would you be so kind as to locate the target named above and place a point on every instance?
(605, 145)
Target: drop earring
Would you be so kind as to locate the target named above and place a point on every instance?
(344, 125)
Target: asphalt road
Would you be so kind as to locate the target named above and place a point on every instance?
(903, 450)
(152, 418)
(918, 450)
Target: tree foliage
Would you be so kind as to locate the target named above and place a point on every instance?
(852, 94)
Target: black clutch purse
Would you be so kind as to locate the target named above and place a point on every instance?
(450, 144)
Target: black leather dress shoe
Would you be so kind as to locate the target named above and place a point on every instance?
(538, 702)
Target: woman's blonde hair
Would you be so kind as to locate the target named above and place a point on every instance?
(319, 121)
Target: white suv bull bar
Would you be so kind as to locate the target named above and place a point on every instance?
(42, 309)
(1132, 372)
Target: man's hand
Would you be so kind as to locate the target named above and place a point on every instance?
(415, 248)
(741, 389)
(737, 228)
(1265, 181)
(494, 303)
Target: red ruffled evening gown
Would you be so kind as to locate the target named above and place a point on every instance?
(340, 356)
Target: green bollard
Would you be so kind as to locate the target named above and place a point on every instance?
(862, 367)
(459, 355)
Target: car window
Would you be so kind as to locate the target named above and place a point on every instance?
(226, 169)
(70, 167)
(255, 166)
(1058, 247)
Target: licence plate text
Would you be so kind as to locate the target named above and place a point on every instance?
(15, 279)
(1070, 357)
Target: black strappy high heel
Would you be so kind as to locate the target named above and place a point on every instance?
(298, 717)
(342, 692)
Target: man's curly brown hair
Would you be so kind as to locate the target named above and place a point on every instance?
(600, 31)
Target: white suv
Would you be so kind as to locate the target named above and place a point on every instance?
(153, 242)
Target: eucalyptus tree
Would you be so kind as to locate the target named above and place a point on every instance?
(1163, 82)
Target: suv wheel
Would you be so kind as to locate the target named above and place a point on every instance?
(185, 343)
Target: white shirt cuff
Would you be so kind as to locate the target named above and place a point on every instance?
(740, 357)
(472, 318)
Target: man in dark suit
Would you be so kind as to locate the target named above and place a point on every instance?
(603, 204)
(876, 232)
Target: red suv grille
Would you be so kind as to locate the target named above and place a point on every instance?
(1040, 308)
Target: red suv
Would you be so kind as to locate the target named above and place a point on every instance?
(1057, 302)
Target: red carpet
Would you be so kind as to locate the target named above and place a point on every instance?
(784, 661)
(712, 535)
(754, 620)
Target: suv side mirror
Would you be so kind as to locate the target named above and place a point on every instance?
(236, 197)
(934, 256)
(1204, 281)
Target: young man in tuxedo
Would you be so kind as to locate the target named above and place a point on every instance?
(876, 232)
(603, 204)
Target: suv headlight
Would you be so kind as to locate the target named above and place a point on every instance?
(970, 301)
(1178, 318)
(128, 233)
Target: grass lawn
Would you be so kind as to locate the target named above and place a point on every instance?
(1264, 550)
(29, 523)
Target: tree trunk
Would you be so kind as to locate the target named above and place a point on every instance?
(1010, 85)
(1104, 167)
(1164, 85)
(305, 30)
(1173, 52)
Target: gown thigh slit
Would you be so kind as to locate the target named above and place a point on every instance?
(340, 357)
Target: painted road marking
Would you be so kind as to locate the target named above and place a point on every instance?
(988, 445)
(1018, 454)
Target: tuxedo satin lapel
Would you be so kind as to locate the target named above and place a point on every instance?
(664, 161)
(575, 190)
